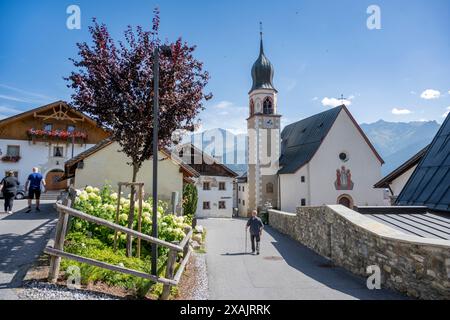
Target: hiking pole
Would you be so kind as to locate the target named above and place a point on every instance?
(245, 240)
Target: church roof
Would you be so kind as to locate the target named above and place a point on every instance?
(429, 184)
(301, 140)
(262, 71)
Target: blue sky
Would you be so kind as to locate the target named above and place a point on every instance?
(320, 50)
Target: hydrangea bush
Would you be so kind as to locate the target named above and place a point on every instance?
(103, 202)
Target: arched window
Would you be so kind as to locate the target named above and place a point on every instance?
(252, 107)
(267, 106)
(269, 187)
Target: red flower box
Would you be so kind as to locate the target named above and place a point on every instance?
(56, 134)
(11, 158)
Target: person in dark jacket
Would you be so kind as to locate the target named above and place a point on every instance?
(256, 226)
(9, 186)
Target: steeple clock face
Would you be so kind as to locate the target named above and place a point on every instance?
(268, 123)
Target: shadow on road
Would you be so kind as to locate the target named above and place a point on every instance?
(320, 269)
(22, 240)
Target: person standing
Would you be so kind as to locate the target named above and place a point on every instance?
(33, 186)
(9, 186)
(256, 226)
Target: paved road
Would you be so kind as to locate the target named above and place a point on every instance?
(23, 236)
(284, 270)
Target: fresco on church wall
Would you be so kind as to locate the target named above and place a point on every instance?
(343, 179)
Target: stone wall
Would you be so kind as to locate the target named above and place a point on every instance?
(418, 267)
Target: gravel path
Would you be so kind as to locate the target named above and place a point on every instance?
(35, 290)
(200, 291)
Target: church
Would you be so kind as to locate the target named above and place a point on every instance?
(323, 159)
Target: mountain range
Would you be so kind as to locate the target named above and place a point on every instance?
(396, 142)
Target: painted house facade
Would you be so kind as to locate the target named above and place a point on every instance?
(46, 137)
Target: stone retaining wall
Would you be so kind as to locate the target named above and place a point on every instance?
(418, 267)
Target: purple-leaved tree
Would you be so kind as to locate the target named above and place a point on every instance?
(113, 83)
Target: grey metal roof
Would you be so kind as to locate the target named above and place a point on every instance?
(429, 184)
(301, 140)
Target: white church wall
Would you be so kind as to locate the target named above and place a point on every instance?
(365, 167)
(293, 190)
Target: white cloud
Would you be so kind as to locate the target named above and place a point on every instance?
(315, 99)
(223, 105)
(333, 102)
(401, 111)
(9, 110)
(413, 92)
(430, 94)
(27, 95)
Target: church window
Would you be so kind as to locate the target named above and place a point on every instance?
(269, 188)
(302, 179)
(243, 202)
(303, 202)
(267, 106)
(343, 156)
(252, 107)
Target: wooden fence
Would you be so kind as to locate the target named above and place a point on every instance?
(57, 252)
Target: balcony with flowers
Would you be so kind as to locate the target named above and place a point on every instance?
(56, 135)
(10, 158)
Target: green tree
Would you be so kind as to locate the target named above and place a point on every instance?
(190, 199)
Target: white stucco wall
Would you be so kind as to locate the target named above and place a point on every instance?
(398, 183)
(293, 190)
(320, 173)
(214, 196)
(39, 154)
(110, 166)
(243, 197)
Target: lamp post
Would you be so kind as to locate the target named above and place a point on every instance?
(166, 50)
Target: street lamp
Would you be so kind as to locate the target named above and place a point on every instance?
(167, 51)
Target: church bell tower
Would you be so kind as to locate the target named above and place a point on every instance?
(263, 125)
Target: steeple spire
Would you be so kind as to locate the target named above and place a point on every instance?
(262, 70)
(261, 48)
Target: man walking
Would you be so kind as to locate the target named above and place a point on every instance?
(255, 224)
(34, 182)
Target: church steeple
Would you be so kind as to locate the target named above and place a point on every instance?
(262, 70)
